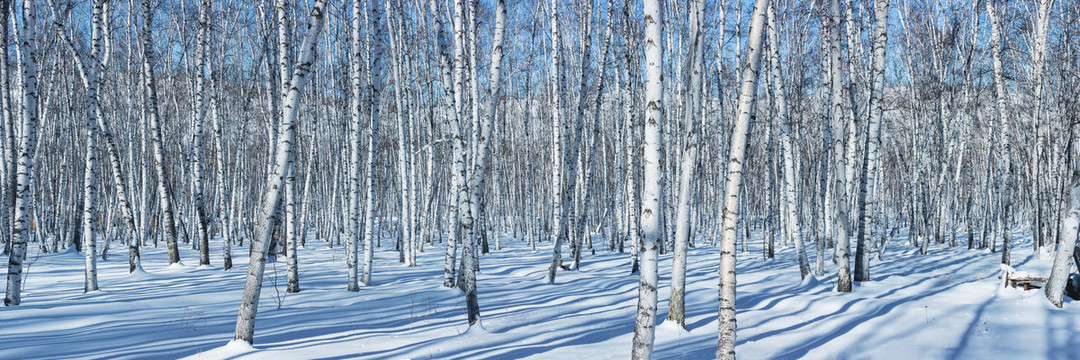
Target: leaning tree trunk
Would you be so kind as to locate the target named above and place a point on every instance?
(93, 81)
(568, 170)
(375, 87)
(245, 321)
(90, 183)
(1059, 274)
(150, 82)
(446, 68)
(739, 137)
(480, 158)
(689, 166)
(789, 196)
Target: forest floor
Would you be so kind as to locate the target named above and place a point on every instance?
(949, 304)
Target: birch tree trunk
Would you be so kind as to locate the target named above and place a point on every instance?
(353, 223)
(90, 71)
(790, 216)
(873, 141)
(1038, 69)
(404, 149)
(447, 70)
(197, 133)
(27, 146)
(633, 201)
(644, 327)
(480, 158)
(557, 141)
(689, 166)
(222, 194)
(90, 183)
(1005, 178)
(245, 321)
(150, 83)
(292, 271)
(375, 87)
(464, 222)
(739, 137)
(588, 158)
(1059, 274)
(8, 177)
(840, 164)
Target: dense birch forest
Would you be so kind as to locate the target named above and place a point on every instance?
(243, 134)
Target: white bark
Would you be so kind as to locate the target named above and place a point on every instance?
(633, 201)
(558, 156)
(352, 227)
(222, 217)
(739, 137)
(789, 197)
(464, 222)
(867, 198)
(27, 147)
(644, 327)
(446, 69)
(150, 83)
(197, 133)
(8, 166)
(245, 321)
(842, 162)
(494, 94)
(375, 87)
(404, 149)
(689, 165)
(1005, 179)
(1059, 274)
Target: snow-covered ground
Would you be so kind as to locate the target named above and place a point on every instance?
(948, 304)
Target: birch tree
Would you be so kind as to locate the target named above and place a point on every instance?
(644, 327)
(480, 159)
(355, 86)
(90, 71)
(873, 141)
(633, 201)
(9, 165)
(27, 146)
(245, 321)
(404, 148)
(450, 89)
(1059, 274)
(160, 170)
(1038, 69)
(789, 198)
(689, 166)
(197, 132)
(841, 161)
(1001, 95)
(739, 137)
(374, 94)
